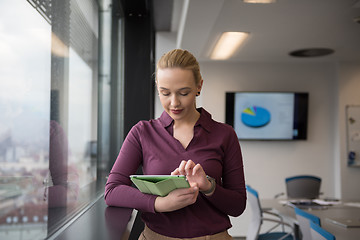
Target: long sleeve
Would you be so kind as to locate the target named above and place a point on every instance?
(118, 189)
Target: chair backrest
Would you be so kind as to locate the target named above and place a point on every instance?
(255, 222)
(304, 219)
(303, 186)
(318, 233)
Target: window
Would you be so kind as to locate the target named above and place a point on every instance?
(48, 114)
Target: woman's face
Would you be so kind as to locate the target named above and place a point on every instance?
(177, 92)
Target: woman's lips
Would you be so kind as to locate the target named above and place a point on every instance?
(177, 111)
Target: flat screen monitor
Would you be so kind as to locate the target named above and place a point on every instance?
(268, 115)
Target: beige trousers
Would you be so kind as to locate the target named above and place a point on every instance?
(148, 234)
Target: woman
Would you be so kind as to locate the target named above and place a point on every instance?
(183, 141)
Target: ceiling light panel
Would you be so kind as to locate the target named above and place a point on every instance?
(228, 44)
(259, 1)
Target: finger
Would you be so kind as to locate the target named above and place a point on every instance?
(197, 169)
(175, 172)
(182, 167)
(186, 191)
(189, 166)
(194, 195)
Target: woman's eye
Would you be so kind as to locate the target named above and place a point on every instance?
(165, 94)
(184, 94)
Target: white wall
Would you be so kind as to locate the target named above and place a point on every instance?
(349, 94)
(268, 163)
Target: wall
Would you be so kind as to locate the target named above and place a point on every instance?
(349, 94)
(268, 163)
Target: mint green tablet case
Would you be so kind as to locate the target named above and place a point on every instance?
(159, 185)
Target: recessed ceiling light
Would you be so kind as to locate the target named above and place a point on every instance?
(259, 1)
(228, 44)
(311, 52)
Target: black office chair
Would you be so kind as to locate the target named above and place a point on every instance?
(302, 187)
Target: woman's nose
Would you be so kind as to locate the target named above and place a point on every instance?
(175, 101)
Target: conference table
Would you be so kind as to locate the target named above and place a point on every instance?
(343, 209)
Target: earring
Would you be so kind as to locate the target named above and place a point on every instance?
(198, 94)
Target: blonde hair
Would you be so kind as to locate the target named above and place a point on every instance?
(179, 58)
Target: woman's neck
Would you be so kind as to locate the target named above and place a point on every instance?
(190, 121)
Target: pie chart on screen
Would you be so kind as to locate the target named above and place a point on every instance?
(255, 116)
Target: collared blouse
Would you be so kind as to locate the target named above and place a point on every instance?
(151, 144)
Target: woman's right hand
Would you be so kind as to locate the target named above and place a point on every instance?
(177, 199)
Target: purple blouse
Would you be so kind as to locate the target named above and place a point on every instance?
(151, 144)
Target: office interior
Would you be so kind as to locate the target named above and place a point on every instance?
(76, 75)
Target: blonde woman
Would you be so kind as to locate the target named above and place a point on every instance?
(183, 141)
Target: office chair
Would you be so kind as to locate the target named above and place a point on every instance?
(304, 219)
(318, 233)
(303, 186)
(257, 220)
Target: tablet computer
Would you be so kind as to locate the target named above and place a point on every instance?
(160, 185)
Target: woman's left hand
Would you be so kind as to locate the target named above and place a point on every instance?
(194, 173)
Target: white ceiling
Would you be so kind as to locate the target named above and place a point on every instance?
(275, 29)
